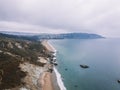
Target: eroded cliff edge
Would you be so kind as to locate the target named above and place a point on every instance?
(22, 64)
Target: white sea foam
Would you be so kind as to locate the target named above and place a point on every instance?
(58, 76)
(59, 80)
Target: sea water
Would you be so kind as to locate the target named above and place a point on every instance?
(101, 55)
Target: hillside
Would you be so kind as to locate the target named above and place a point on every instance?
(19, 37)
(16, 52)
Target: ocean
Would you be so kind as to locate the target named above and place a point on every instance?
(101, 55)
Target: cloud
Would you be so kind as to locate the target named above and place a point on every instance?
(93, 16)
(20, 27)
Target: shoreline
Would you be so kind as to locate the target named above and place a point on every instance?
(56, 80)
(48, 46)
(46, 81)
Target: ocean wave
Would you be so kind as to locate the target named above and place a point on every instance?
(59, 80)
(58, 76)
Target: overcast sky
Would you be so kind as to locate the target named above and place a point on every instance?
(56, 16)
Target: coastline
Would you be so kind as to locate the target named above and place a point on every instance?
(48, 46)
(46, 81)
(55, 79)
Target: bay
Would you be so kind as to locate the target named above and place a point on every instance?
(101, 55)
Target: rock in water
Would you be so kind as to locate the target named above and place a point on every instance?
(118, 81)
(84, 66)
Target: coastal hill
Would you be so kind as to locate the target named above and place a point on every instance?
(56, 36)
(70, 36)
(20, 64)
(20, 37)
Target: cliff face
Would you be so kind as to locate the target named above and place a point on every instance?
(19, 63)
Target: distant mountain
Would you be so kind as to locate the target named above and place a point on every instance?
(70, 36)
(33, 36)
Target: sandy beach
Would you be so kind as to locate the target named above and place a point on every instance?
(48, 46)
(48, 81)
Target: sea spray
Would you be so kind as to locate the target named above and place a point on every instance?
(59, 80)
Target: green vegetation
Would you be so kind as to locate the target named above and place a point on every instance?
(12, 53)
(10, 73)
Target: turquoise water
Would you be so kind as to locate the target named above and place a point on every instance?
(101, 55)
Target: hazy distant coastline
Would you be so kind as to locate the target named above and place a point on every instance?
(38, 36)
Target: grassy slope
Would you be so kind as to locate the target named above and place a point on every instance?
(14, 51)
